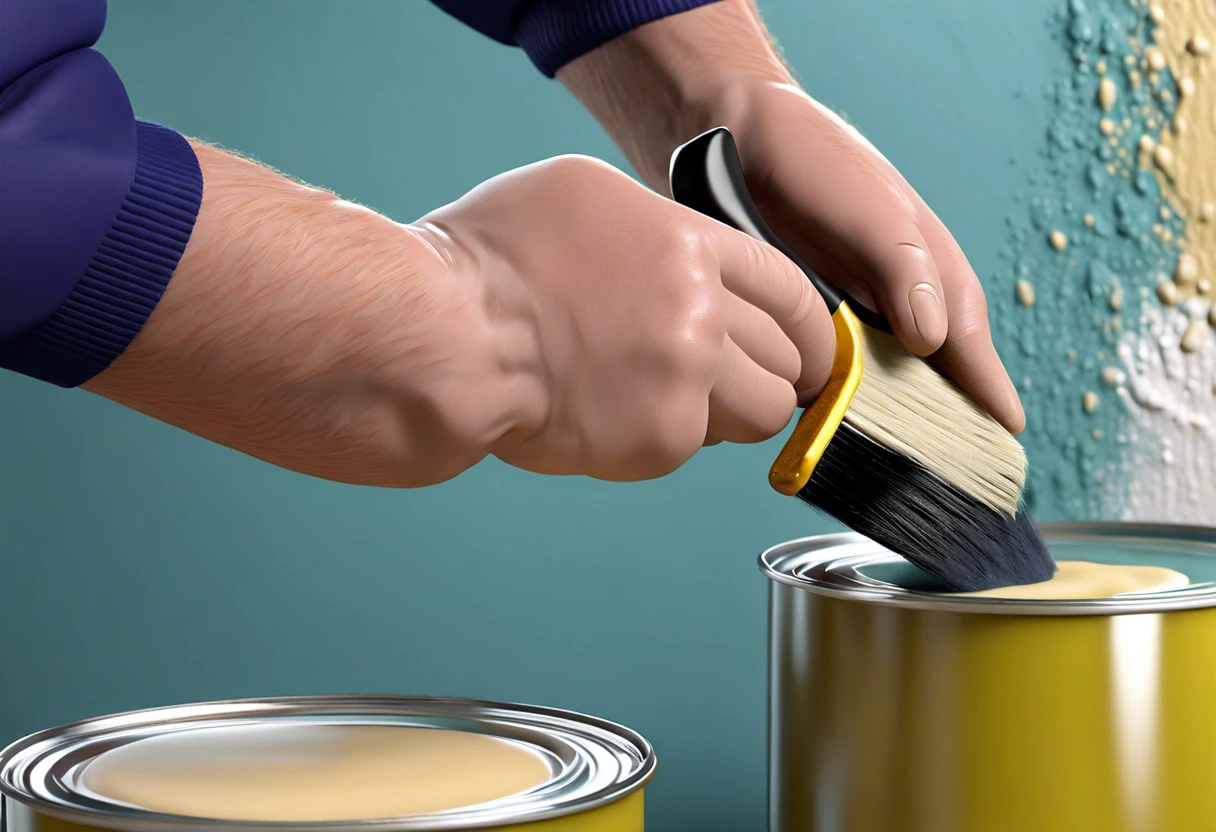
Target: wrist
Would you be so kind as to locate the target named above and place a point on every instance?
(482, 375)
(669, 80)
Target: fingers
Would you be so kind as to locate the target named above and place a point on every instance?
(747, 403)
(838, 203)
(866, 234)
(968, 355)
(758, 335)
(965, 351)
(767, 280)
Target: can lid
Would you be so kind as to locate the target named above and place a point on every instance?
(592, 762)
(853, 567)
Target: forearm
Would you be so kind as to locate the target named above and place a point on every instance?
(317, 335)
(664, 82)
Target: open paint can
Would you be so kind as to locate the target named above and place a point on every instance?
(894, 707)
(329, 764)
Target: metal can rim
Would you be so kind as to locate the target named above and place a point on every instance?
(20, 757)
(1195, 597)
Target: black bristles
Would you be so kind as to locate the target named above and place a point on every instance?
(894, 501)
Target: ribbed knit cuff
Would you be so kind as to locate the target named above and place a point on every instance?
(555, 32)
(128, 273)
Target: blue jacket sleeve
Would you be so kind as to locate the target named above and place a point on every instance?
(95, 207)
(555, 32)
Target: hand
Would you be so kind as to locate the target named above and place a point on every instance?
(646, 329)
(826, 191)
(560, 316)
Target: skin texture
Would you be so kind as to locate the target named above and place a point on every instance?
(560, 316)
(826, 191)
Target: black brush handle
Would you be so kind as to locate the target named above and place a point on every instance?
(706, 175)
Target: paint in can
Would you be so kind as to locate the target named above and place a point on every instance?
(590, 774)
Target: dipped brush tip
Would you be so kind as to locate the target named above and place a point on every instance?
(899, 504)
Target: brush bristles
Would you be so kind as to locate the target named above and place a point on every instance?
(906, 405)
(895, 501)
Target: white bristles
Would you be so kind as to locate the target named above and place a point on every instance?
(906, 405)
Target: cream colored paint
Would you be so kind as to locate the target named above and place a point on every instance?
(1190, 141)
(1086, 579)
(298, 772)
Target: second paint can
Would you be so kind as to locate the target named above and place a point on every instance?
(894, 708)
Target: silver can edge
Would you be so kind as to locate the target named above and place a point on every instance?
(494, 814)
(1203, 595)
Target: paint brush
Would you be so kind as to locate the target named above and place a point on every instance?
(891, 448)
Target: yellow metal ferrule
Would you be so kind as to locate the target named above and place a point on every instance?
(818, 423)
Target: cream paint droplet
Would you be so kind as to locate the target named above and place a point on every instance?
(1186, 87)
(1198, 45)
(1112, 376)
(1106, 126)
(1195, 337)
(1100, 67)
(1090, 401)
(1204, 286)
(1165, 214)
(1089, 220)
(1188, 269)
(1058, 240)
(1156, 60)
(1116, 324)
(1025, 293)
(1167, 292)
(1207, 212)
(1071, 355)
(1116, 299)
(1164, 159)
(1106, 94)
(1146, 144)
(1098, 434)
(1157, 13)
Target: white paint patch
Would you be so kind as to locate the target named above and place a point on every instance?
(1171, 474)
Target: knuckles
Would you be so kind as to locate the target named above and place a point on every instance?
(675, 431)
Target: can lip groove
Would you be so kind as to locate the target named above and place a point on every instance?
(828, 565)
(594, 761)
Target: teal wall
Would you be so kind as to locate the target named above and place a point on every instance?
(148, 567)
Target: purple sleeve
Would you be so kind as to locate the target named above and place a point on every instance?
(555, 32)
(95, 207)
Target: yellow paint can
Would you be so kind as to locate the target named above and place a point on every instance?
(895, 707)
(329, 764)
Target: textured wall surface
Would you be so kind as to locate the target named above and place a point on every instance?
(147, 567)
(1103, 300)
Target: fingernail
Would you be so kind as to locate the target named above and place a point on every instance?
(927, 313)
(1017, 413)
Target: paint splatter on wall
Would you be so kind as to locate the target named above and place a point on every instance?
(1103, 306)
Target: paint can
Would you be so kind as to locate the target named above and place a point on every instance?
(894, 708)
(593, 781)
